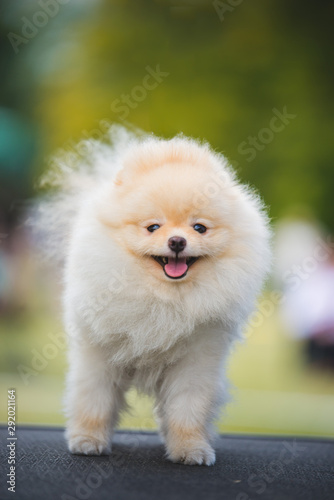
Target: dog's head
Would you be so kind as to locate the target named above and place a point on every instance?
(174, 209)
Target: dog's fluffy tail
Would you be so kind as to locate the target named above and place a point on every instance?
(69, 178)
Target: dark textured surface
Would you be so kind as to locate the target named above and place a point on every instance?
(246, 468)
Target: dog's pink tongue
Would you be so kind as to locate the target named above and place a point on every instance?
(176, 268)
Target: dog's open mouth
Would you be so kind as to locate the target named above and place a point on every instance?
(175, 267)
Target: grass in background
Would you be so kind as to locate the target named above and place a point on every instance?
(273, 390)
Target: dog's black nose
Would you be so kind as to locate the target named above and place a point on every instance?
(177, 243)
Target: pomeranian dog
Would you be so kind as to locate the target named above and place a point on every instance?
(165, 253)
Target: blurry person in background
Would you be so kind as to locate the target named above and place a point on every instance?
(309, 313)
(4, 272)
(305, 266)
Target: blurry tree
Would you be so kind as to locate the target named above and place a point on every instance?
(230, 72)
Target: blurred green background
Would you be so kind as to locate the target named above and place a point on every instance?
(255, 79)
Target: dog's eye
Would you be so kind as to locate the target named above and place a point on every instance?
(200, 228)
(153, 228)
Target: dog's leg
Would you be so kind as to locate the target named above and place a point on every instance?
(93, 401)
(189, 398)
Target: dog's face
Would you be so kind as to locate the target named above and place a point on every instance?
(173, 219)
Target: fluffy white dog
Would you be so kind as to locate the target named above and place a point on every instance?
(165, 253)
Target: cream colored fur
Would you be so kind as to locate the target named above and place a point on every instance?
(128, 323)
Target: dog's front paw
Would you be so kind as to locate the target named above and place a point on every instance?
(202, 454)
(88, 445)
